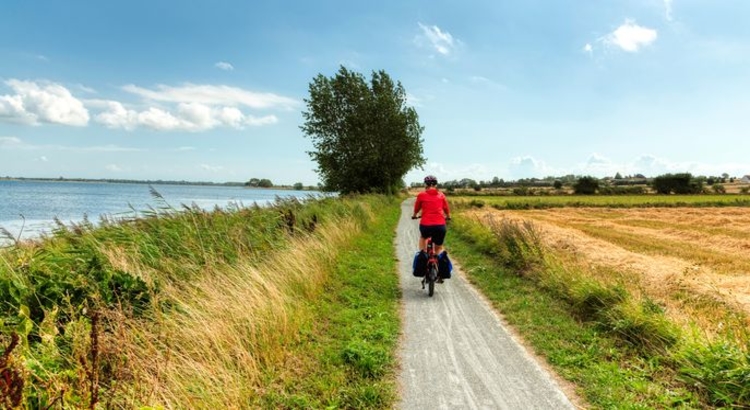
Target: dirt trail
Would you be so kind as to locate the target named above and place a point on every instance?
(455, 352)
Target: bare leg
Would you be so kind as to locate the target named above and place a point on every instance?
(422, 244)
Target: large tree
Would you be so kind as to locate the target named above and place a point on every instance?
(366, 137)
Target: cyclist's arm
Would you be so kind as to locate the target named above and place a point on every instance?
(417, 207)
(446, 209)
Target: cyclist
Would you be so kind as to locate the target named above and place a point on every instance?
(435, 211)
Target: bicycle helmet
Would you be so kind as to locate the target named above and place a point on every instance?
(430, 180)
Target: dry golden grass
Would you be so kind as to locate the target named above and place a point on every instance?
(693, 261)
(208, 349)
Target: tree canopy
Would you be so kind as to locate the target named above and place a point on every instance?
(366, 137)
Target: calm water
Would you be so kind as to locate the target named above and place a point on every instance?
(40, 202)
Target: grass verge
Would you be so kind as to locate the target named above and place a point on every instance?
(346, 355)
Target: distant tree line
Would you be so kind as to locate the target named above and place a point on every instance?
(259, 183)
(680, 183)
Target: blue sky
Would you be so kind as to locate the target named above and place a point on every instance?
(213, 91)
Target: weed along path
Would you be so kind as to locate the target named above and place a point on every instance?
(455, 352)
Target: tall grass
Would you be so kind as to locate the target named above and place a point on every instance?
(229, 324)
(175, 307)
(718, 369)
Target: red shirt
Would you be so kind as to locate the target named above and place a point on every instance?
(434, 207)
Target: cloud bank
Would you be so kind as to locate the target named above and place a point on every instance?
(189, 107)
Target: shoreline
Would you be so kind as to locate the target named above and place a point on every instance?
(148, 182)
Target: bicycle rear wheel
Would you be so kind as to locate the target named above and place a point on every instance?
(432, 277)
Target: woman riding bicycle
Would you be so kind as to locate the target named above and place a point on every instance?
(435, 211)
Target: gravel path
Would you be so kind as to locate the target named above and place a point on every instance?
(455, 353)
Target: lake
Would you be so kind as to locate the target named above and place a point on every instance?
(28, 208)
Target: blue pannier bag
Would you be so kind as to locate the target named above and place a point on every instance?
(419, 266)
(445, 267)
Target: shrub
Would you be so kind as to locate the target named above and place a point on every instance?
(683, 183)
(476, 203)
(521, 191)
(719, 189)
(622, 190)
(587, 185)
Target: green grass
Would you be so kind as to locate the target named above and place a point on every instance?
(346, 358)
(604, 201)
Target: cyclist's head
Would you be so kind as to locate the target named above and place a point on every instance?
(430, 180)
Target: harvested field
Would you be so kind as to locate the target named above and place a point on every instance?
(694, 261)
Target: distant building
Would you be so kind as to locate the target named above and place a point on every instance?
(745, 179)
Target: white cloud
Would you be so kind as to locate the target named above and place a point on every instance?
(668, 9)
(113, 168)
(43, 159)
(451, 172)
(350, 64)
(41, 102)
(598, 165)
(529, 167)
(85, 89)
(631, 37)
(222, 65)
(115, 115)
(212, 168)
(16, 143)
(588, 48)
(486, 82)
(441, 41)
(651, 166)
(186, 149)
(596, 159)
(413, 100)
(258, 121)
(10, 142)
(212, 95)
(192, 117)
(100, 148)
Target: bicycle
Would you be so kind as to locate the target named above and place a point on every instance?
(431, 275)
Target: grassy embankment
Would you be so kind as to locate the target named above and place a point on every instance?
(601, 329)
(289, 306)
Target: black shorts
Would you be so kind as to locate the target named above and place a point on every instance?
(437, 232)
